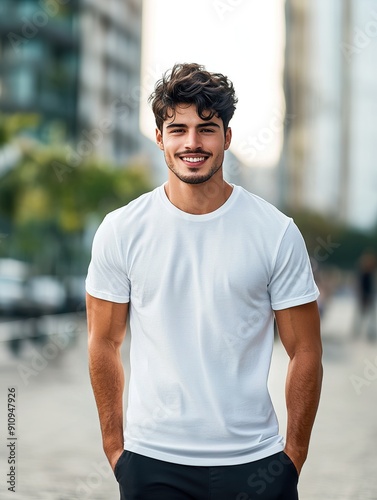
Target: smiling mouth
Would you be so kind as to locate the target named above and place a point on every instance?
(191, 159)
(194, 159)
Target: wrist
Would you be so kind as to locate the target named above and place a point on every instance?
(297, 455)
(114, 456)
(113, 445)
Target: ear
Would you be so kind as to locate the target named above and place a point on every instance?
(228, 138)
(159, 140)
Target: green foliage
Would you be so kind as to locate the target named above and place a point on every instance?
(12, 125)
(315, 227)
(47, 204)
(353, 243)
(344, 245)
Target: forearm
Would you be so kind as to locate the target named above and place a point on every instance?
(107, 378)
(303, 388)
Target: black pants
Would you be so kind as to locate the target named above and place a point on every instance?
(144, 478)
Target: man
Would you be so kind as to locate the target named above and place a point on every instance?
(202, 267)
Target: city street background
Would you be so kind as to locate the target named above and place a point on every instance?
(59, 453)
(76, 142)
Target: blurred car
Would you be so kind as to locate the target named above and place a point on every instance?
(25, 295)
(28, 301)
(47, 295)
(13, 277)
(11, 295)
(75, 289)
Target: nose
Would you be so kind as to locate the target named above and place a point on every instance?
(193, 140)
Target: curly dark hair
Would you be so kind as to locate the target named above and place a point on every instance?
(212, 93)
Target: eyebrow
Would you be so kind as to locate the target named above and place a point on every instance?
(201, 125)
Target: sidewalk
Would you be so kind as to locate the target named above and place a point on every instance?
(343, 454)
(59, 453)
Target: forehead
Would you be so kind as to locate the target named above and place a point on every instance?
(188, 115)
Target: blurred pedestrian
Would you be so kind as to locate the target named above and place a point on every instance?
(202, 267)
(367, 317)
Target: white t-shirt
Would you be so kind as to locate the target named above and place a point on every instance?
(202, 289)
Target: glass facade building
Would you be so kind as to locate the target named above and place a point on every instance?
(328, 162)
(39, 48)
(109, 76)
(75, 63)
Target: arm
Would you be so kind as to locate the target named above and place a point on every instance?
(107, 329)
(299, 330)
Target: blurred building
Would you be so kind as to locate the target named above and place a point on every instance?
(39, 48)
(328, 160)
(77, 64)
(109, 76)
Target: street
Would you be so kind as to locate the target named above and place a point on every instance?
(58, 447)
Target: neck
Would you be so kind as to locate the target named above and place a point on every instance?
(198, 199)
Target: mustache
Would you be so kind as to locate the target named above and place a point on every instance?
(196, 152)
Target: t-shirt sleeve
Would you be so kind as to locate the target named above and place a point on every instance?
(292, 282)
(107, 277)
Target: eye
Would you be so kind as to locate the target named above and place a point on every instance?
(176, 131)
(207, 130)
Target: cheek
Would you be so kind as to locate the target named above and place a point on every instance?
(218, 146)
(218, 141)
(171, 146)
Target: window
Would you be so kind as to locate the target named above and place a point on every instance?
(22, 85)
(33, 50)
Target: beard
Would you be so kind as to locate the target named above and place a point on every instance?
(192, 178)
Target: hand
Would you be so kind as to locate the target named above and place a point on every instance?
(297, 459)
(114, 456)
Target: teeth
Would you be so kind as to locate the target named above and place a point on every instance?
(194, 160)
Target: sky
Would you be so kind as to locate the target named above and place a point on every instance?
(243, 39)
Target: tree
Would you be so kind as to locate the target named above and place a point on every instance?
(46, 205)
